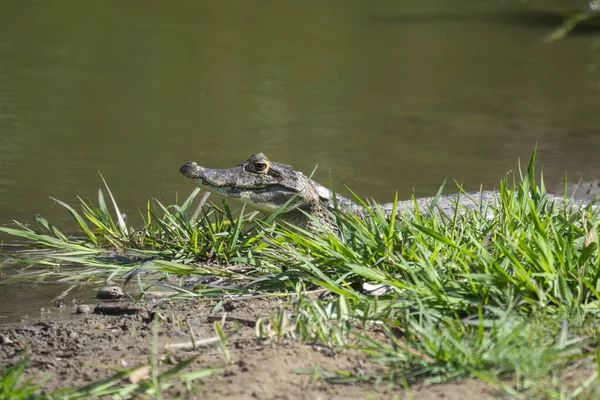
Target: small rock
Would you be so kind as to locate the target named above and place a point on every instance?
(5, 340)
(110, 292)
(83, 309)
(110, 309)
(139, 374)
(377, 289)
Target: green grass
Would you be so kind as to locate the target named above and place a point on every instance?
(512, 299)
(12, 386)
(182, 241)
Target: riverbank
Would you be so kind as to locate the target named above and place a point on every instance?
(500, 299)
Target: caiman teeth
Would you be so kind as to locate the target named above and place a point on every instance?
(204, 182)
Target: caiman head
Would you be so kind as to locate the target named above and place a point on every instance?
(261, 184)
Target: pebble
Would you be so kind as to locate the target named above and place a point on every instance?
(5, 340)
(110, 292)
(83, 309)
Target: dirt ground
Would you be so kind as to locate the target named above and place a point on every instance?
(84, 348)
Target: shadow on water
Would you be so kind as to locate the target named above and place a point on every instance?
(542, 19)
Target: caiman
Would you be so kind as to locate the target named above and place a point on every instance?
(266, 186)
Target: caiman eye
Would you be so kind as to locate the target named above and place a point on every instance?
(260, 167)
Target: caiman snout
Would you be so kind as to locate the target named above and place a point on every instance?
(189, 169)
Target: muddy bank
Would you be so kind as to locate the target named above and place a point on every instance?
(89, 347)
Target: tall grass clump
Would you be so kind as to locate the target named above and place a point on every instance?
(177, 239)
(12, 384)
(509, 288)
(526, 249)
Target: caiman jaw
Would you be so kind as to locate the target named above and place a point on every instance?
(257, 182)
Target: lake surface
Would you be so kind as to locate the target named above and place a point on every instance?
(383, 96)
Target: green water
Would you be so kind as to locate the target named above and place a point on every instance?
(384, 95)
